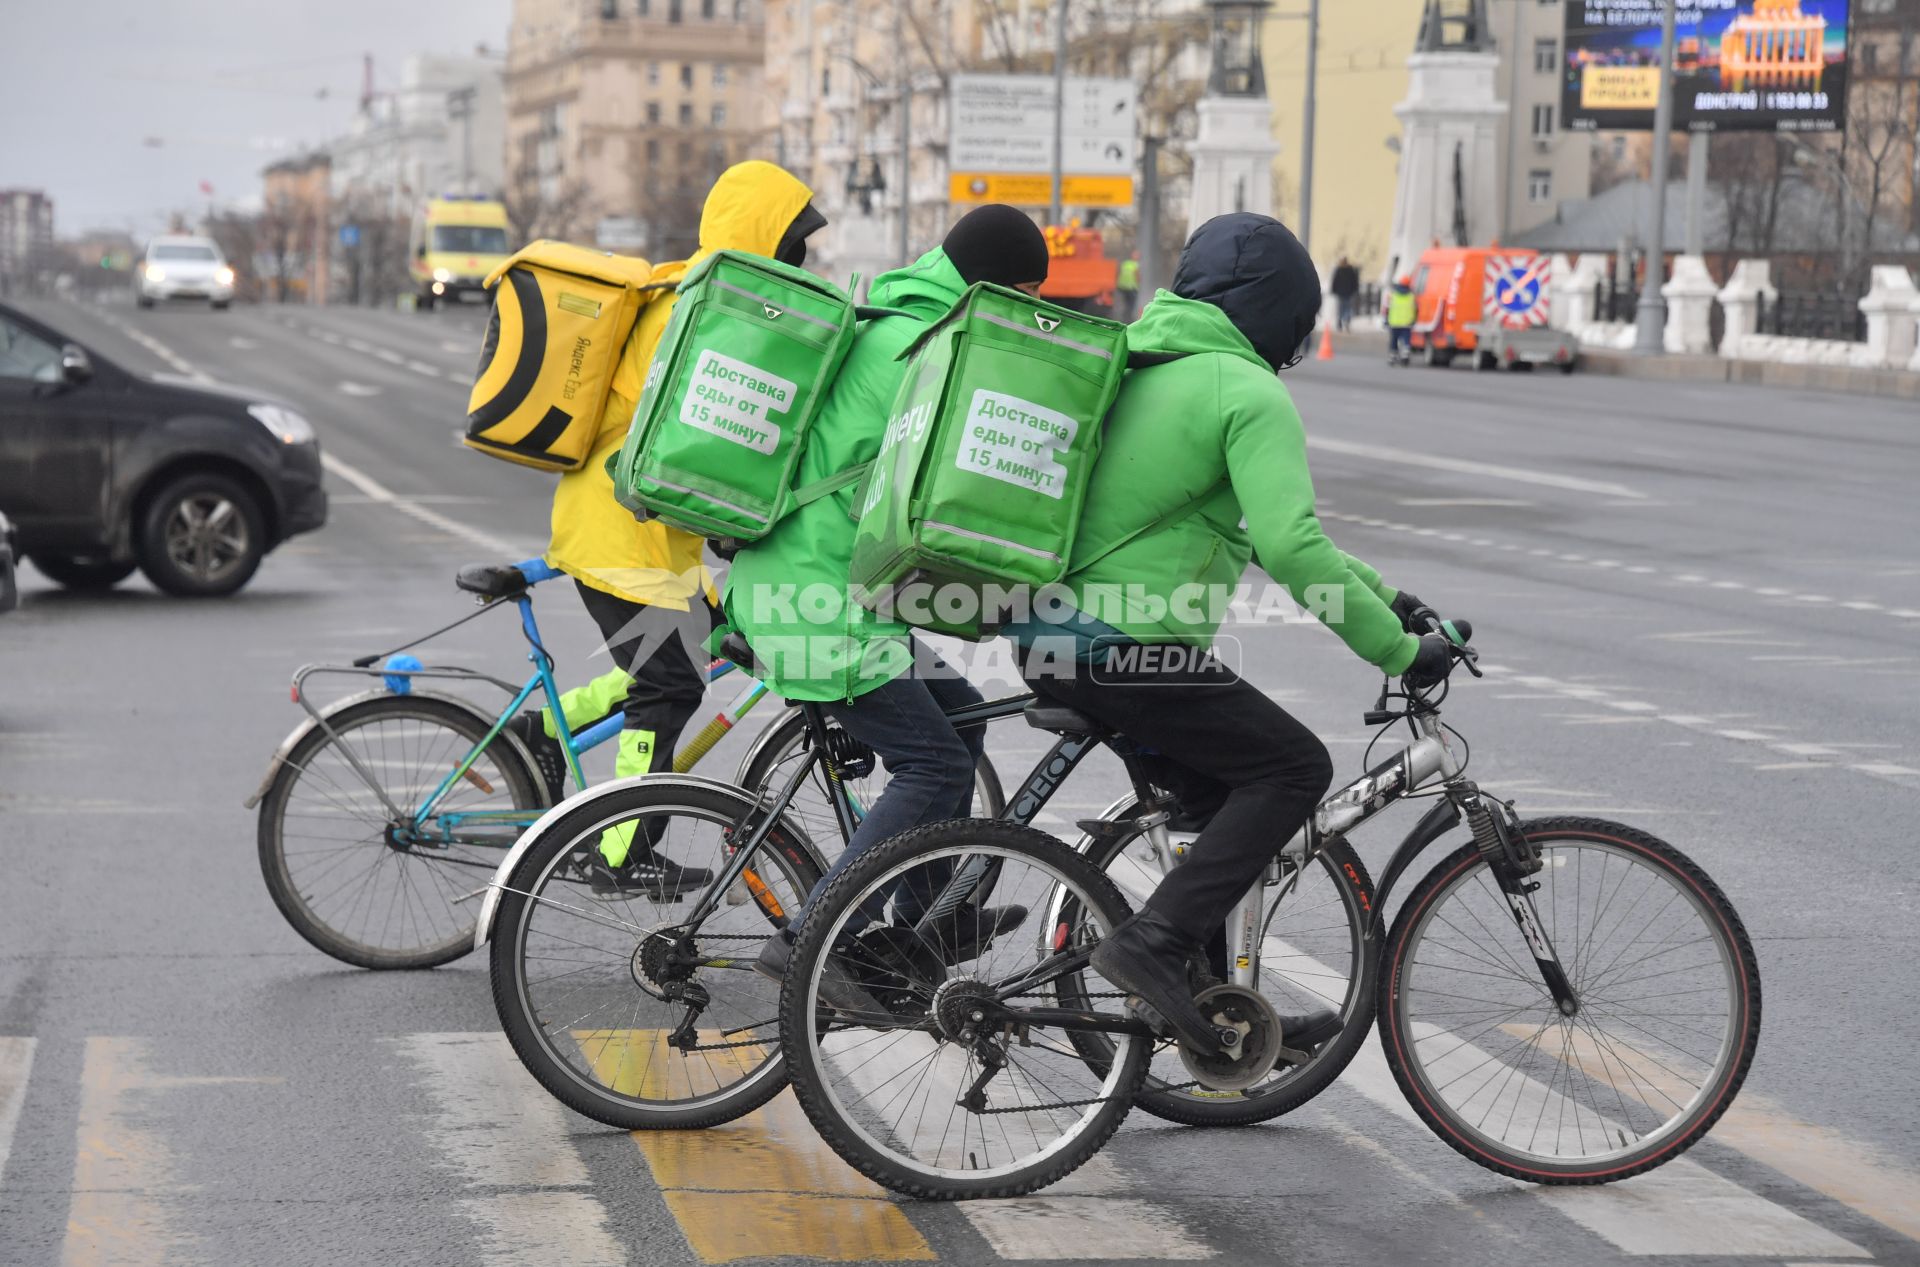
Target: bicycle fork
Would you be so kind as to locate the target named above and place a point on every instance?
(1513, 862)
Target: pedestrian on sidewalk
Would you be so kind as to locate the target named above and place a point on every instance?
(1401, 307)
(1344, 286)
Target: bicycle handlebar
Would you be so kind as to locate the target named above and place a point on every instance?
(536, 570)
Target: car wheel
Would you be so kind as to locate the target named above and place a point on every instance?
(1486, 361)
(201, 536)
(81, 574)
(144, 301)
(220, 305)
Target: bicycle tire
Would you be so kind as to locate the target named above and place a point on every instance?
(589, 816)
(1274, 1099)
(811, 1083)
(524, 791)
(787, 735)
(1689, 880)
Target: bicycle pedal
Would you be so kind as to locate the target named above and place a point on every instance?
(1150, 1015)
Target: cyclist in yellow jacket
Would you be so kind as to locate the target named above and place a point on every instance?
(644, 583)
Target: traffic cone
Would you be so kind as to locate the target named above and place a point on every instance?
(1326, 344)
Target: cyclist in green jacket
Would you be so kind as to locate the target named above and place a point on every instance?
(787, 593)
(1211, 428)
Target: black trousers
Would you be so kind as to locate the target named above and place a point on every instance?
(668, 681)
(1223, 749)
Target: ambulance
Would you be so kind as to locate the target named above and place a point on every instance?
(455, 242)
(1489, 303)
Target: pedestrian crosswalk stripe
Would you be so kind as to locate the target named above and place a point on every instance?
(16, 1063)
(826, 1210)
(497, 1128)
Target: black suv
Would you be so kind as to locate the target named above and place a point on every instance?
(102, 470)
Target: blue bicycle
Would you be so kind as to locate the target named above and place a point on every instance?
(383, 814)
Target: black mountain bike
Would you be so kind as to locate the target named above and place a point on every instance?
(1563, 1000)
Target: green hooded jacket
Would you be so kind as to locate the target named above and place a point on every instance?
(1214, 428)
(787, 592)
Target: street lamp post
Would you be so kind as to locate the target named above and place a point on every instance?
(1650, 320)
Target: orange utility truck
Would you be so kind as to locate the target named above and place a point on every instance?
(1490, 303)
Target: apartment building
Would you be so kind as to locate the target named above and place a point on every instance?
(26, 232)
(1544, 165)
(619, 114)
(441, 131)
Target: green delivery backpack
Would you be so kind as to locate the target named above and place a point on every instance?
(741, 370)
(979, 481)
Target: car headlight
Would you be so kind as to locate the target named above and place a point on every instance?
(155, 273)
(284, 423)
(442, 275)
(223, 275)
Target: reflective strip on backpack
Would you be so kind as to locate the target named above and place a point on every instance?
(991, 540)
(772, 308)
(754, 515)
(1060, 339)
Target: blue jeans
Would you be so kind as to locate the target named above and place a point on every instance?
(930, 774)
(1398, 339)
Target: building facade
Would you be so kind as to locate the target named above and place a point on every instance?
(26, 234)
(293, 236)
(442, 131)
(619, 114)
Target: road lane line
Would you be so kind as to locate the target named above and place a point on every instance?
(825, 1209)
(495, 1128)
(16, 1063)
(178, 363)
(1464, 466)
(376, 491)
(123, 1185)
(351, 388)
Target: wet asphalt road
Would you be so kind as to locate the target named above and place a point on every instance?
(1700, 608)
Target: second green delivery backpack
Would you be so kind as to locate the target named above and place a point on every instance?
(979, 482)
(742, 368)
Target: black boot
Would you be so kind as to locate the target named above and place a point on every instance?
(1147, 956)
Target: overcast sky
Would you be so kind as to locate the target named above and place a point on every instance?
(225, 86)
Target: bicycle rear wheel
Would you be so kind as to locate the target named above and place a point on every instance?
(597, 992)
(894, 1081)
(341, 869)
(1668, 1014)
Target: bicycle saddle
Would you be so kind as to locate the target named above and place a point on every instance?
(1063, 720)
(492, 580)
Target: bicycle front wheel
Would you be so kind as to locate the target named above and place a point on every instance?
(620, 1007)
(1666, 1022)
(365, 884)
(898, 1044)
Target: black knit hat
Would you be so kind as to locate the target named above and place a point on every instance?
(998, 244)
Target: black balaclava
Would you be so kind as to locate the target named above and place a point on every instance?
(793, 243)
(999, 244)
(1253, 269)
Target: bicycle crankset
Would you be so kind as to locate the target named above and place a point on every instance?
(1236, 1009)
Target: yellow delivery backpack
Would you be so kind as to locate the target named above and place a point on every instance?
(561, 314)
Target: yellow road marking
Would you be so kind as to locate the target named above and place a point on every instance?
(826, 1210)
(122, 1173)
(1856, 1174)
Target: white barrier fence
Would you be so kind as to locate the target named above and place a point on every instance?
(1891, 306)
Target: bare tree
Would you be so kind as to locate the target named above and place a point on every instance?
(238, 238)
(282, 233)
(535, 210)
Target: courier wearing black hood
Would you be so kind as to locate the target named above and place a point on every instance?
(1203, 469)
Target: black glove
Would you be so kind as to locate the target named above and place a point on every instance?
(1404, 605)
(1431, 663)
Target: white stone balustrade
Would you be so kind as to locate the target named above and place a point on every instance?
(1740, 299)
(1689, 297)
(1889, 307)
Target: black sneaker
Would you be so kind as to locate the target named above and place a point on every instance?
(1306, 1031)
(1148, 957)
(548, 757)
(657, 877)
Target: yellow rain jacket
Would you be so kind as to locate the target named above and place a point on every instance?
(595, 538)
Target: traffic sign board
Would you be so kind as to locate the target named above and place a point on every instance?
(1002, 132)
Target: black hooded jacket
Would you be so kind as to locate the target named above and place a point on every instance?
(1252, 268)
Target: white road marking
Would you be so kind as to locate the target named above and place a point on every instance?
(1463, 466)
(379, 492)
(421, 367)
(1463, 501)
(358, 389)
(495, 1128)
(245, 345)
(448, 345)
(16, 1063)
(173, 360)
(390, 356)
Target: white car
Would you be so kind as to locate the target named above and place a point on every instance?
(179, 266)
